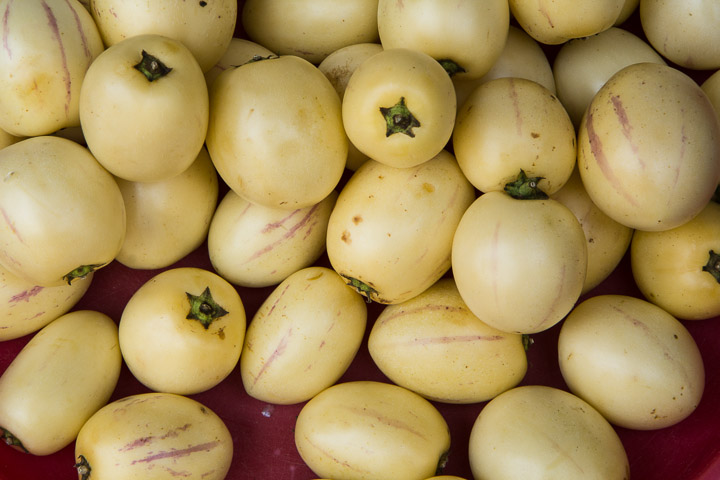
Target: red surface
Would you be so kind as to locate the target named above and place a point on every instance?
(263, 434)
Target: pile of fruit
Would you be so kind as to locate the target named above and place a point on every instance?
(370, 239)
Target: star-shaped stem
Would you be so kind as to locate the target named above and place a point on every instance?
(203, 308)
(399, 119)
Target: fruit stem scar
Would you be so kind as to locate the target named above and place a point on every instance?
(12, 440)
(362, 288)
(81, 272)
(525, 188)
(451, 66)
(151, 67)
(713, 265)
(399, 119)
(83, 467)
(204, 308)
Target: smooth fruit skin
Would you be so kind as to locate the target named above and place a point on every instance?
(206, 28)
(303, 337)
(669, 267)
(386, 79)
(536, 432)
(48, 46)
(153, 436)
(632, 361)
(607, 240)
(434, 345)
(169, 352)
(138, 129)
(277, 143)
(168, 219)
(61, 210)
(26, 308)
(62, 376)
(649, 147)
(392, 228)
(365, 430)
(519, 265)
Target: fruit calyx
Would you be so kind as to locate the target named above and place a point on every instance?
(362, 288)
(399, 119)
(83, 467)
(81, 272)
(713, 265)
(525, 188)
(152, 67)
(12, 441)
(451, 66)
(204, 308)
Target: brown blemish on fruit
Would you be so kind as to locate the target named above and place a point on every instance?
(357, 219)
(345, 237)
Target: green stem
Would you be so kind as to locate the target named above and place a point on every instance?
(204, 309)
(525, 188)
(81, 272)
(399, 119)
(362, 288)
(713, 265)
(152, 67)
(12, 440)
(451, 67)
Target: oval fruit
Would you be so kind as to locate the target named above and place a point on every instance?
(60, 378)
(154, 436)
(539, 432)
(303, 337)
(366, 429)
(632, 361)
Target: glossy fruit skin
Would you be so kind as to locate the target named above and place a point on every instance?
(632, 361)
(166, 348)
(61, 210)
(153, 436)
(303, 337)
(669, 266)
(62, 376)
(311, 29)
(435, 346)
(47, 48)
(205, 28)
(539, 432)
(392, 228)
(139, 129)
(648, 147)
(367, 429)
(389, 78)
(277, 143)
(26, 308)
(471, 34)
(560, 21)
(519, 265)
(253, 245)
(607, 240)
(511, 124)
(168, 219)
